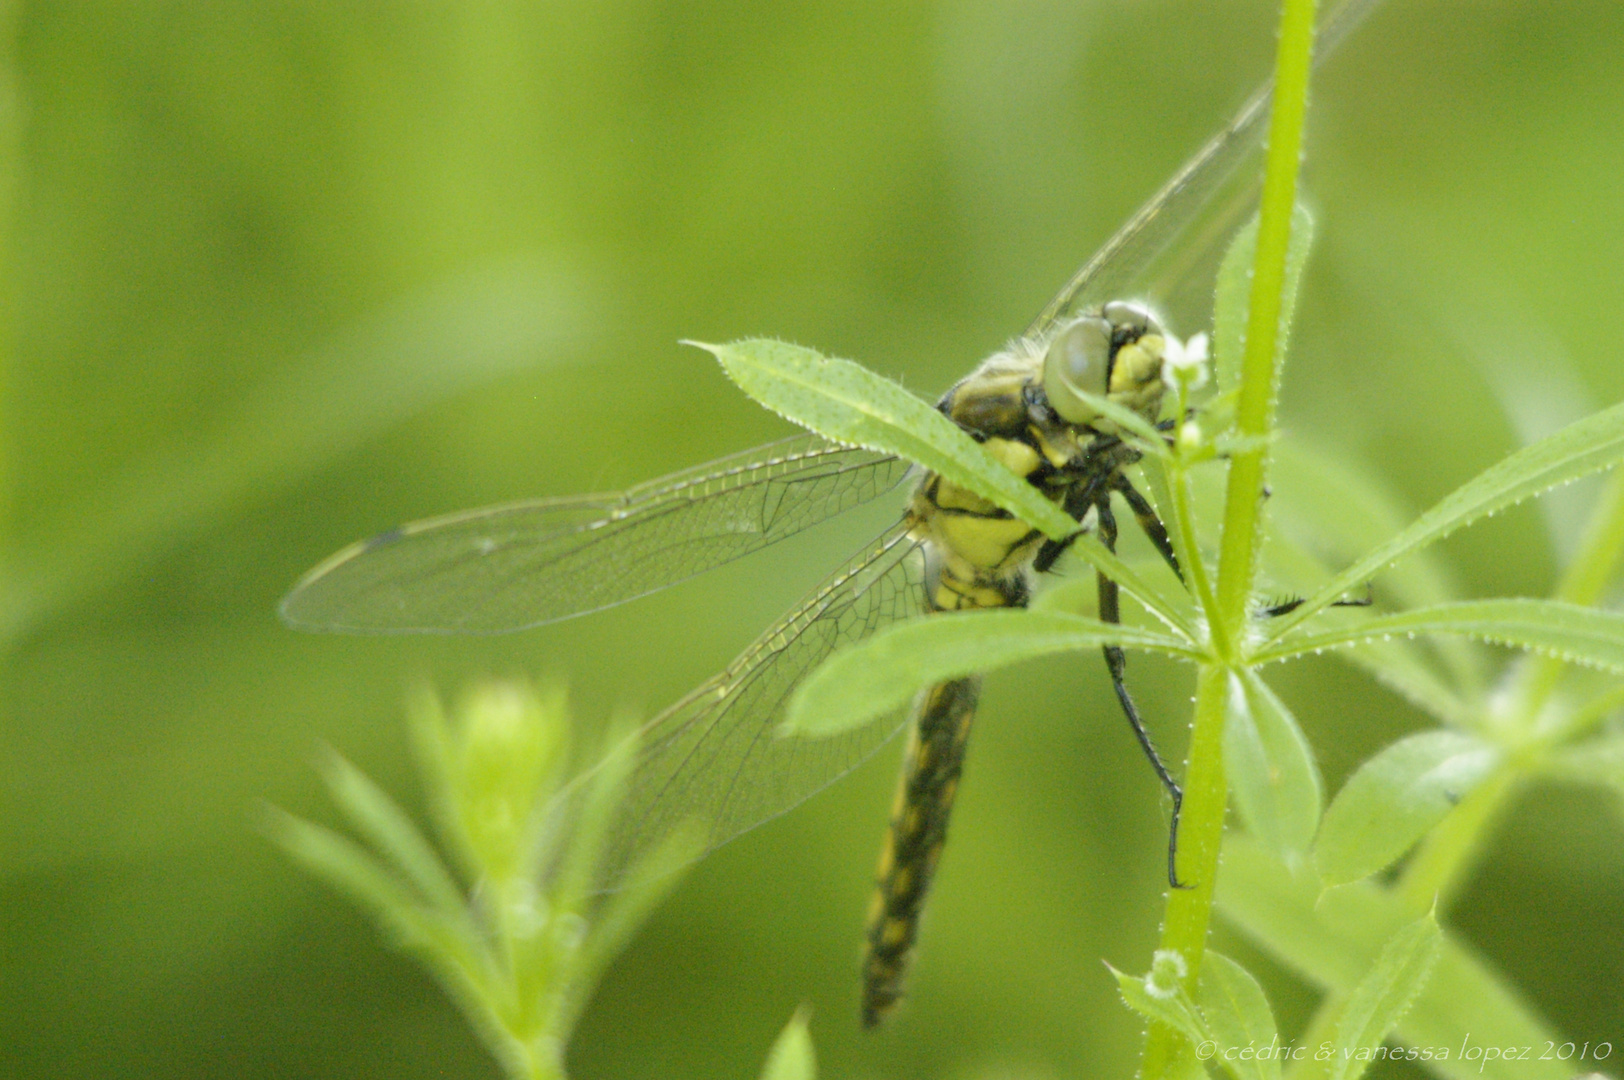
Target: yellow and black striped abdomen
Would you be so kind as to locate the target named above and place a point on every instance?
(978, 559)
(987, 573)
(930, 778)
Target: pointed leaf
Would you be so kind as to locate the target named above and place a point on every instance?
(1065, 595)
(624, 912)
(341, 863)
(1137, 432)
(1239, 1017)
(1172, 1009)
(1235, 286)
(792, 1056)
(1597, 761)
(1270, 767)
(590, 803)
(1230, 297)
(377, 817)
(1398, 665)
(1591, 445)
(1394, 798)
(875, 676)
(1326, 505)
(1384, 995)
(1186, 542)
(1332, 938)
(1577, 635)
(845, 401)
(1601, 707)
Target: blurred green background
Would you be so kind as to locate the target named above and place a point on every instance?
(284, 274)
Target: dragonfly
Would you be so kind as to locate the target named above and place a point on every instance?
(716, 758)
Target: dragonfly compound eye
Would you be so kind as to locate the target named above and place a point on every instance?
(1132, 320)
(1137, 367)
(1077, 360)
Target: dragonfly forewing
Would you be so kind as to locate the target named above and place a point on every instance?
(715, 762)
(1159, 249)
(524, 564)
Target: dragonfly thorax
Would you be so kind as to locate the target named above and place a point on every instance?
(1023, 405)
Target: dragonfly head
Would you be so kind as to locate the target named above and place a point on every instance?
(1117, 354)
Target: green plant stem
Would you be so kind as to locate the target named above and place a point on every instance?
(1206, 794)
(1201, 830)
(1196, 570)
(542, 1061)
(1260, 363)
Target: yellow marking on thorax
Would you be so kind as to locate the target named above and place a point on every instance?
(976, 537)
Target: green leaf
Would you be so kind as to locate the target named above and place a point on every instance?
(845, 401)
(1192, 486)
(1239, 1018)
(1138, 432)
(446, 939)
(1328, 506)
(591, 803)
(377, 817)
(1574, 634)
(341, 862)
(1230, 298)
(792, 1056)
(1270, 767)
(1384, 995)
(1594, 711)
(1332, 938)
(1597, 761)
(1064, 596)
(1590, 445)
(1394, 798)
(867, 680)
(1341, 508)
(1235, 286)
(1158, 1004)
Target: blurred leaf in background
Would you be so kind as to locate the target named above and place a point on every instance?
(284, 275)
(520, 946)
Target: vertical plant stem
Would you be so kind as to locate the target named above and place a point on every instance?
(1189, 910)
(1260, 364)
(1178, 477)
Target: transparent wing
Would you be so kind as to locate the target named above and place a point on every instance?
(1180, 228)
(510, 567)
(715, 762)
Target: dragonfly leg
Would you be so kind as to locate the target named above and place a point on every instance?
(1078, 501)
(1286, 607)
(1116, 663)
(1145, 514)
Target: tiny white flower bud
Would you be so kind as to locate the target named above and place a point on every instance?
(1185, 362)
(1167, 972)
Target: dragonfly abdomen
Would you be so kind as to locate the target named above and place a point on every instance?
(913, 844)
